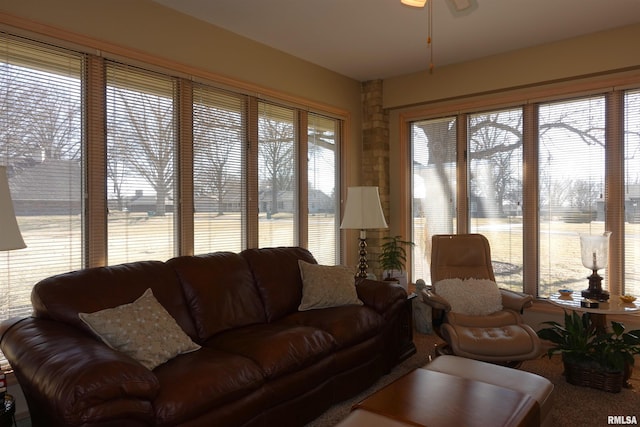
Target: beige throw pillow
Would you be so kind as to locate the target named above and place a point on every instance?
(475, 297)
(327, 286)
(142, 329)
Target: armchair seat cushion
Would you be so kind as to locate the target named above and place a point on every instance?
(492, 343)
(493, 320)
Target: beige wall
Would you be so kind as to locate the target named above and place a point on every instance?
(589, 55)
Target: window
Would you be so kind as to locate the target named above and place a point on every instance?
(141, 147)
(277, 175)
(434, 187)
(495, 189)
(537, 176)
(41, 145)
(219, 139)
(322, 177)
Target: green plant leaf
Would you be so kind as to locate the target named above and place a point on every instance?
(618, 328)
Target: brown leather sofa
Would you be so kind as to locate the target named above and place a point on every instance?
(262, 362)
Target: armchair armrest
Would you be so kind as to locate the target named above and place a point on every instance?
(68, 376)
(380, 295)
(435, 301)
(516, 301)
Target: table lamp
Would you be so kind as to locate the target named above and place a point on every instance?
(363, 212)
(594, 251)
(10, 237)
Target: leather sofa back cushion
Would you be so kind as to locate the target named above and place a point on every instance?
(220, 292)
(64, 296)
(277, 276)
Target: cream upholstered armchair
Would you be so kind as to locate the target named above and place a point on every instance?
(476, 318)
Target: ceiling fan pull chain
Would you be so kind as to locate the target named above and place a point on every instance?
(430, 33)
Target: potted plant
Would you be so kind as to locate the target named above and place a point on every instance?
(392, 258)
(602, 360)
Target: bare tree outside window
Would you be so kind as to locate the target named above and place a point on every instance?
(141, 148)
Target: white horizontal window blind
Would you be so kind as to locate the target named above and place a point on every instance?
(219, 170)
(571, 160)
(41, 145)
(632, 193)
(322, 153)
(277, 173)
(433, 146)
(141, 147)
(495, 189)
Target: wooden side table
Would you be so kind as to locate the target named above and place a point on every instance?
(8, 416)
(598, 315)
(407, 347)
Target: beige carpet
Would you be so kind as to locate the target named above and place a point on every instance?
(573, 406)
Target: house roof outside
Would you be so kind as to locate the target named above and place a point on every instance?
(49, 180)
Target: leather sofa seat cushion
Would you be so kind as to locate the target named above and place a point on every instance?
(348, 325)
(194, 383)
(220, 292)
(277, 277)
(278, 349)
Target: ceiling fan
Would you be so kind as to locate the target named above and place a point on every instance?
(457, 6)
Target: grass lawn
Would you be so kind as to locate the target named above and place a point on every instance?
(139, 236)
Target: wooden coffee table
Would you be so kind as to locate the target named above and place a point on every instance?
(430, 398)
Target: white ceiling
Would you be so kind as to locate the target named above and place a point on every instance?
(372, 39)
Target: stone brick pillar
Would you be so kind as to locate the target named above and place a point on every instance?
(375, 161)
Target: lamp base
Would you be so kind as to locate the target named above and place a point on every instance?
(362, 262)
(596, 295)
(595, 290)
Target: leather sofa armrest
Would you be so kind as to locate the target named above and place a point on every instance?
(435, 301)
(379, 295)
(516, 301)
(68, 376)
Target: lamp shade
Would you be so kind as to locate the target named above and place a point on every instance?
(10, 237)
(594, 250)
(363, 210)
